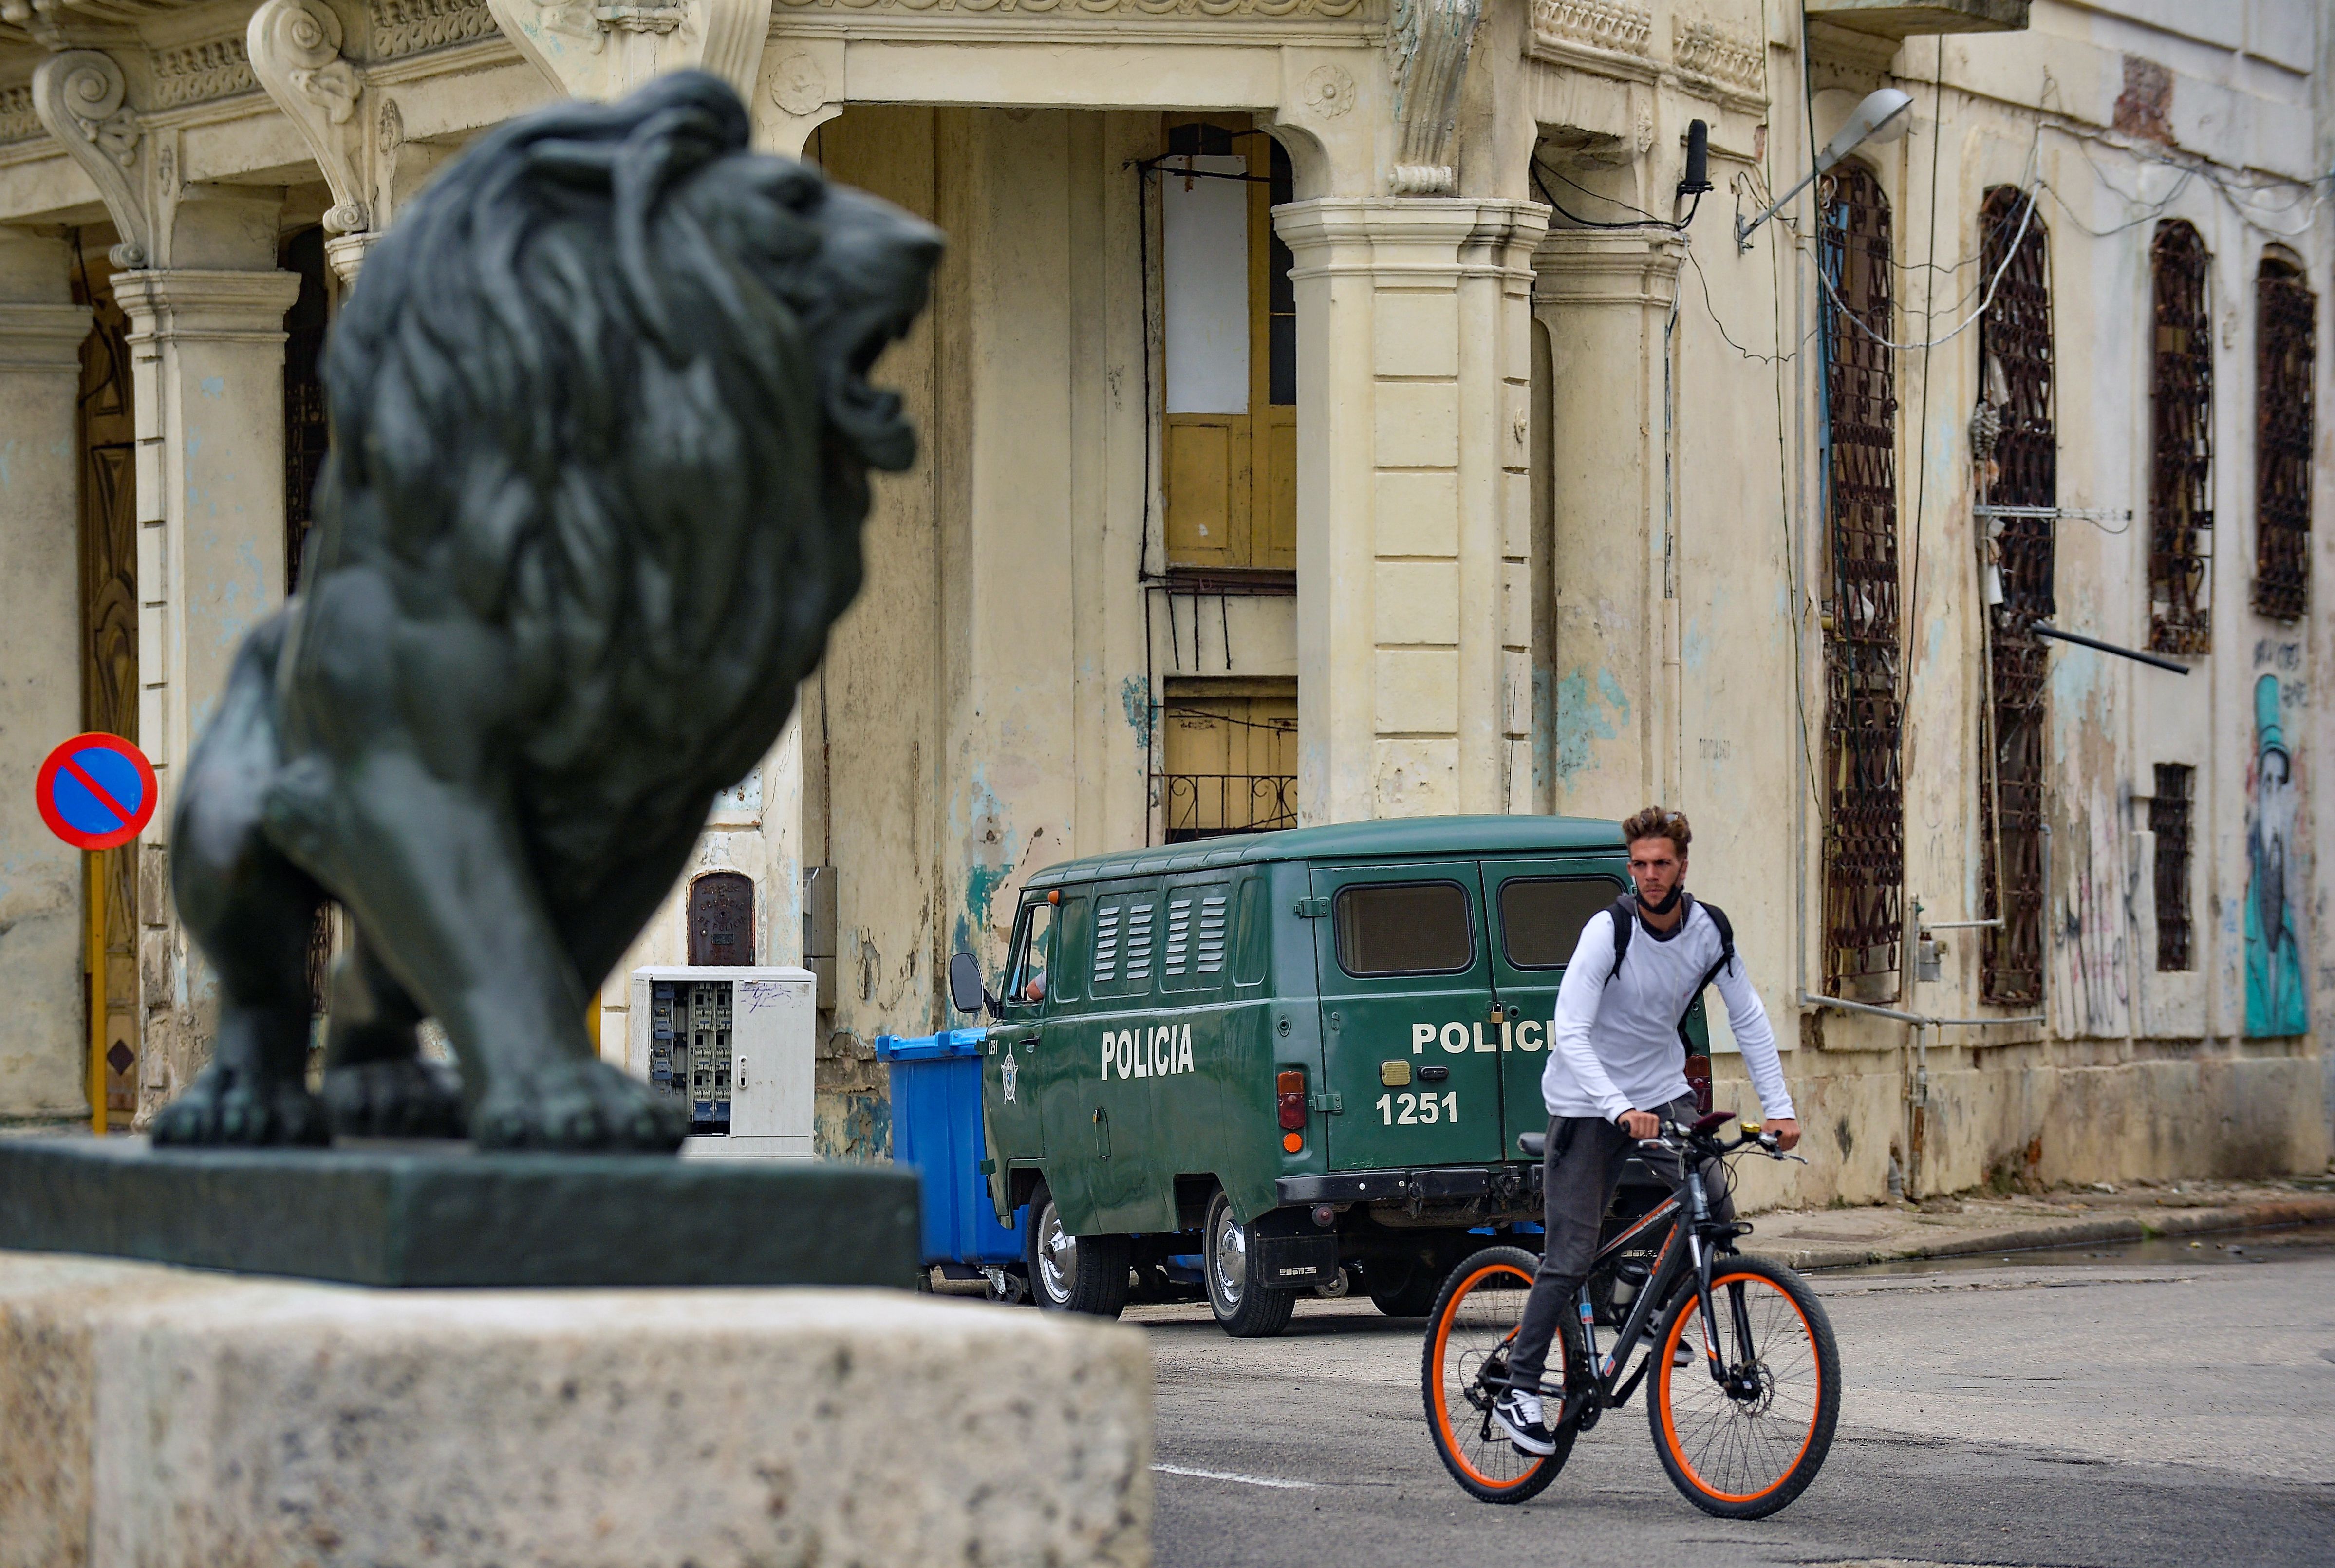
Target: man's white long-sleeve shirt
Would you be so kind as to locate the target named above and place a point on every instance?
(1614, 1044)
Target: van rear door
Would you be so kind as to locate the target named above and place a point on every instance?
(1405, 976)
(1537, 908)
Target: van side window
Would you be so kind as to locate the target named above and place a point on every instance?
(1194, 956)
(1033, 946)
(1252, 935)
(1541, 917)
(1404, 928)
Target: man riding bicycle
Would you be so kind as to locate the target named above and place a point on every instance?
(1615, 1072)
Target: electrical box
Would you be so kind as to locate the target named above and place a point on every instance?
(818, 928)
(736, 1046)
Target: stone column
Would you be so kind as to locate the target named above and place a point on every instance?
(1603, 299)
(44, 1029)
(207, 358)
(1413, 601)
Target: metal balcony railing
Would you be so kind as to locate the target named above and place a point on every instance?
(1195, 806)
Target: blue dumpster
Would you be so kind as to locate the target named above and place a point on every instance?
(936, 1128)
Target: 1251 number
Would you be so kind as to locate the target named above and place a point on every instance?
(1418, 1109)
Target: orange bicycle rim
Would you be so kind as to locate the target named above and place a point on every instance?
(1668, 1365)
(1452, 1445)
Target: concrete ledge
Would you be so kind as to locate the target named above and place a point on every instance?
(162, 1418)
(2302, 1208)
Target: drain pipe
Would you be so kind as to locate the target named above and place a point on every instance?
(1918, 1097)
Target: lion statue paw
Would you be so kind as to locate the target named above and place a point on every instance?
(230, 1107)
(401, 1097)
(576, 1107)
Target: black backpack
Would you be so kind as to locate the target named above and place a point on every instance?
(1625, 911)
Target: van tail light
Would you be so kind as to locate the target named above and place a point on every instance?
(1289, 1093)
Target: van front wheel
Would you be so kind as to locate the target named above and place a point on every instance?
(1072, 1274)
(1246, 1308)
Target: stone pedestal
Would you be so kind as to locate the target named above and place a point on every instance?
(171, 1419)
(1413, 500)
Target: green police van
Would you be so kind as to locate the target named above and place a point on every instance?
(1290, 1053)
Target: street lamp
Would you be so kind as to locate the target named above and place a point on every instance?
(1882, 117)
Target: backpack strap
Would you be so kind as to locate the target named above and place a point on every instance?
(1726, 957)
(1625, 911)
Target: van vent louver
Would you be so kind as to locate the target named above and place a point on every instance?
(1138, 942)
(1179, 934)
(1212, 933)
(1106, 957)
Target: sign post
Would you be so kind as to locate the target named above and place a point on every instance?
(96, 792)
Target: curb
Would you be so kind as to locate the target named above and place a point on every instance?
(2301, 1210)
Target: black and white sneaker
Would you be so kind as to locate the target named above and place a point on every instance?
(1520, 1416)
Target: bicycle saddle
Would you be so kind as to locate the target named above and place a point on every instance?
(1534, 1143)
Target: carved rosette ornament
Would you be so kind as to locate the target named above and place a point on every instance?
(81, 97)
(1428, 46)
(593, 49)
(295, 47)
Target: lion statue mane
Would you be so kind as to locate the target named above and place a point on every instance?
(600, 433)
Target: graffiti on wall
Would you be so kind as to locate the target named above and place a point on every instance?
(2276, 1003)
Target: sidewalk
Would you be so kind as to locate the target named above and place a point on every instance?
(1945, 1228)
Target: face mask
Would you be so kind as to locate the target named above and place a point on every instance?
(1678, 890)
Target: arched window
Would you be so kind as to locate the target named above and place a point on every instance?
(2286, 348)
(2015, 364)
(1865, 822)
(2181, 444)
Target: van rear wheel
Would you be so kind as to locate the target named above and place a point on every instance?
(1072, 1274)
(1244, 1309)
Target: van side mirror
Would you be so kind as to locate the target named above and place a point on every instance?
(965, 992)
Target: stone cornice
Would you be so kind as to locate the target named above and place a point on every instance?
(18, 122)
(406, 27)
(42, 337)
(194, 73)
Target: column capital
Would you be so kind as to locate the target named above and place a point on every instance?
(1390, 235)
(589, 51)
(185, 304)
(42, 337)
(1602, 267)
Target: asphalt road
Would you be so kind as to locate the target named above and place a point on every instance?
(2161, 1404)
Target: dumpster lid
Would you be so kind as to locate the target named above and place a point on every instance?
(930, 1047)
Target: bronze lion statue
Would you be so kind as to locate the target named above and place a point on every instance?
(601, 429)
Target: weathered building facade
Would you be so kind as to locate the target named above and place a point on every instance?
(1327, 414)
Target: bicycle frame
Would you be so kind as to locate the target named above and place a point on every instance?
(1687, 1208)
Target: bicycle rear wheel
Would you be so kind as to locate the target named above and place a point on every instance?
(1464, 1368)
(1745, 1450)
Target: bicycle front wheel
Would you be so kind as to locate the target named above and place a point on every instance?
(1744, 1447)
(1463, 1368)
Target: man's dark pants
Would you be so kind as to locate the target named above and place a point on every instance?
(1579, 1173)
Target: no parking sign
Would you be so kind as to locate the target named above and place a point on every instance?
(96, 792)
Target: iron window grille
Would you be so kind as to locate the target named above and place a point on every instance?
(1195, 805)
(2181, 460)
(2286, 326)
(1864, 824)
(2015, 349)
(2168, 820)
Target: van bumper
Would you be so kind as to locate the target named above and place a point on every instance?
(1510, 1183)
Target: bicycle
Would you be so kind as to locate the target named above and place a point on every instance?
(1741, 1439)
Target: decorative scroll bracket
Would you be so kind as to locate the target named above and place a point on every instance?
(295, 46)
(81, 99)
(1428, 46)
(592, 49)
